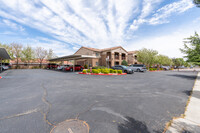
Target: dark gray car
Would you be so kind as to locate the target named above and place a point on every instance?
(138, 67)
(124, 69)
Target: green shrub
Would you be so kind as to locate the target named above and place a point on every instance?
(99, 67)
(106, 72)
(150, 69)
(125, 63)
(114, 71)
(85, 66)
(161, 69)
(96, 67)
(111, 70)
(97, 71)
(84, 71)
(88, 71)
(102, 70)
(93, 70)
(119, 71)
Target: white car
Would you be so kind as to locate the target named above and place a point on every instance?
(4, 67)
(166, 67)
(62, 67)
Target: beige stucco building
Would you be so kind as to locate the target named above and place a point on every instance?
(104, 57)
(132, 57)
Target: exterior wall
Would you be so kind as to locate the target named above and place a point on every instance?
(84, 51)
(103, 59)
(132, 60)
(88, 62)
(120, 51)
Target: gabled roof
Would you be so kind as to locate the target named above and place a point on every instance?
(132, 52)
(101, 50)
(93, 49)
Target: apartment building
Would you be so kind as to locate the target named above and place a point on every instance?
(132, 57)
(104, 57)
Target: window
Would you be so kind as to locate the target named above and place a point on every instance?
(97, 54)
(97, 63)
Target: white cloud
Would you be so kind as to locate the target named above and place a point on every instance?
(167, 44)
(97, 23)
(163, 13)
(58, 47)
(12, 25)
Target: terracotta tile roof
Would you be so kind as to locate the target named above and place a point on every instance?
(105, 49)
(93, 49)
(132, 52)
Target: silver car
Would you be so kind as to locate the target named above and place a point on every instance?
(138, 67)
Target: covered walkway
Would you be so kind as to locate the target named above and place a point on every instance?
(3, 56)
(73, 58)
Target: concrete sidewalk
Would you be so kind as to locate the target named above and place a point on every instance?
(190, 121)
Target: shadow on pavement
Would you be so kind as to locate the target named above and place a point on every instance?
(190, 77)
(133, 126)
(187, 92)
(195, 94)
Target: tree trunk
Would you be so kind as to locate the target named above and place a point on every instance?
(17, 63)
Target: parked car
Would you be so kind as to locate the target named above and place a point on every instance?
(4, 67)
(61, 67)
(7, 64)
(124, 69)
(165, 68)
(77, 68)
(52, 66)
(138, 67)
(181, 67)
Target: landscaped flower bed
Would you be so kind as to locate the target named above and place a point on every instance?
(102, 72)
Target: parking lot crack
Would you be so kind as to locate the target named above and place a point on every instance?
(87, 109)
(45, 112)
(20, 114)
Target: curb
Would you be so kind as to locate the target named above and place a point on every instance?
(101, 74)
(190, 120)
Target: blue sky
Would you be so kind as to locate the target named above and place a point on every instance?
(66, 25)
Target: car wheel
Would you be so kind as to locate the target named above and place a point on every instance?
(138, 70)
(71, 70)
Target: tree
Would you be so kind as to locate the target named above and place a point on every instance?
(125, 63)
(178, 62)
(163, 60)
(197, 2)
(16, 51)
(41, 54)
(50, 54)
(9, 50)
(147, 56)
(27, 54)
(192, 49)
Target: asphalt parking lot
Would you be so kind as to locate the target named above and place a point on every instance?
(33, 101)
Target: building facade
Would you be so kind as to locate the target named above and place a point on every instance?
(132, 57)
(105, 57)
